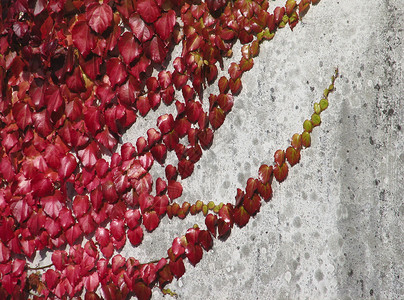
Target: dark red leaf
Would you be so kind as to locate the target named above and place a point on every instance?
(89, 155)
(252, 205)
(75, 81)
(174, 189)
(142, 291)
(185, 168)
(82, 37)
(216, 117)
(143, 105)
(281, 172)
(194, 253)
(265, 190)
(22, 115)
(160, 204)
(149, 10)
(241, 216)
(53, 99)
(140, 29)
(156, 50)
(99, 16)
(129, 47)
(164, 26)
(116, 71)
(177, 267)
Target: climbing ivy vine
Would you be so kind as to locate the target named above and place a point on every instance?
(75, 75)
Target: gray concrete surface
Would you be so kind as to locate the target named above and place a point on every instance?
(334, 229)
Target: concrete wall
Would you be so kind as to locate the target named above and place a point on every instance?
(334, 229)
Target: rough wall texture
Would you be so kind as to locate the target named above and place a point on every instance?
(334, 229)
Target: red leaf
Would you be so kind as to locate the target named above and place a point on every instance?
(129, 47)
(143, 105)
(265, 173)
(149, 10)
(206, 138)
(156, 50)
(99, 17)
(59, 259)
(252, 205)
(292, 155)
(251, 187)
(80, 205)
(281, 172)
(164, 26)
(140, 29)
(185, 168)
(279, 157)
(177, 248)
(22, 115)
(116, 71)
(150, 220)
(4, 253)
(171, 172)
(174, 189)
(165, 123)
(117, 229)
(52, 205)
(159, 152)
(216, 117)
(177, 267)
(92, 119)
(91, 282)
(205, 239)
(106, 139)
(211, 223)
(226, 214)
(224, 228)
(193, 253)
(241, 216)
(145, 201)
(135, 236)
(41, 186)
(102, 236)
(53, 99)
(75, 81)
(160, 204)
(67, 166)
(89, 155)
(142, 291)
(51, 278)
(73, 233)
(87, 224)
(82, 37)
(265, 190)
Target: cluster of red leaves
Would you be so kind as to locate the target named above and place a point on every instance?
(74, 75)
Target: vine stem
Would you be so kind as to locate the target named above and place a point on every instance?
(40, 268)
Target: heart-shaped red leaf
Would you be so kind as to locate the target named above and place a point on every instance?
(292, 155)
(129, 47)
(241, 216)
(117, 228)
(160, 204)
(156, 50)
(194, 253)
(174, 189)
(185, 168)
(22, 115)
(132, 218)
(252, 205)
(177, 267)
(150, 220)
(281, 172)
(164, 26)
(135, 236)
(140, 29)
(264, 173)
(82, 37)
(216, 117)
(116, 71)
(265, 190)
(149, 10)
(99, 16)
